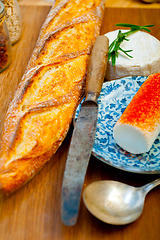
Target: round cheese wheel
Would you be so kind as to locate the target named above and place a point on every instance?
(146, 56)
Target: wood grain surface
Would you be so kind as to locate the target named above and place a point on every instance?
(33, 212)
(109, 3)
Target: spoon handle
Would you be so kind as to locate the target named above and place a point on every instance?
(146, 188)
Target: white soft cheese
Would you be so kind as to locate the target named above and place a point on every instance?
(139, 125)
(146, 56)
(133, 139)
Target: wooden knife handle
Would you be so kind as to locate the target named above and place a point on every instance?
(97, 66)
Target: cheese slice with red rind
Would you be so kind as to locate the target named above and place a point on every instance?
(139, 125)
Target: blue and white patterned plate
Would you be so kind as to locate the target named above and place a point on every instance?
(114, 98)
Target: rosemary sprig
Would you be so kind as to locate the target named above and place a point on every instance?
(115, 45)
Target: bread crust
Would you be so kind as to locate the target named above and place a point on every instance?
(40, 114)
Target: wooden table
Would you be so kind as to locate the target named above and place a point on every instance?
(109, 3)
(33, 212)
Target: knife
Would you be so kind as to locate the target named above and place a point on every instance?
(83, 136)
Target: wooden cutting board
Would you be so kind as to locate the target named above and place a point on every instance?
(33, 212)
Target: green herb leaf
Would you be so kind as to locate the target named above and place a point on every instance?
(114, 47)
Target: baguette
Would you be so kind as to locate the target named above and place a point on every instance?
(40, 114)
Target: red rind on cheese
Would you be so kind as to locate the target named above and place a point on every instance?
(139, 125)
(144, 109)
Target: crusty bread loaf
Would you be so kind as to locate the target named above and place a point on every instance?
(40, 114)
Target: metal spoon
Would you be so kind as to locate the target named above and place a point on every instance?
(114, 202)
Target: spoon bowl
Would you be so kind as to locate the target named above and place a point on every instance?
(114, 202)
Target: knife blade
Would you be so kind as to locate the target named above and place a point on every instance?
(83, 136)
